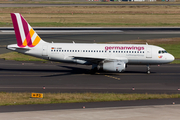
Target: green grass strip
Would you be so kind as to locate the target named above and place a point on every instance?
(19, 57)
(176, 62)
(3, 24)
(49, 98)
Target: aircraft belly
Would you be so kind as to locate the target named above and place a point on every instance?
(143, 61)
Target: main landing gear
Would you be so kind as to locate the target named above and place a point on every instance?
(148, 69)
(94, 68)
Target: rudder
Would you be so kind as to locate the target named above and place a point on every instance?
(25, 35)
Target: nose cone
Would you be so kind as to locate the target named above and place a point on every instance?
(170, 58)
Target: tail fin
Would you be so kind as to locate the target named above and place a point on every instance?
(25, 35)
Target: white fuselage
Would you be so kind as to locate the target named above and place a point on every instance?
(80, 53)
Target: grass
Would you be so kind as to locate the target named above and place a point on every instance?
(80, 2)
(92, 16)
(49, 98)
(176, 62)
(19, 57)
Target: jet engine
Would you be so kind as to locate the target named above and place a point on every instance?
(112, 66)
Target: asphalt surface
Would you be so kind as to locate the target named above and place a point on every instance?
(65, 106)
(61, 77)
(88, 37)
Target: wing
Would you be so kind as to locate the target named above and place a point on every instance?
(97, 60)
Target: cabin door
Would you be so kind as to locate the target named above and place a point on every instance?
(149, 52)
(44, 52)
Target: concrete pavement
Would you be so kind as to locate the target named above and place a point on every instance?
(159, 112)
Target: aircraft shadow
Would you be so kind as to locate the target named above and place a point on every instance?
(71, 70)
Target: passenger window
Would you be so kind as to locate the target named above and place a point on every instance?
(59, 50)
(75, 50)
(109, 51)
(99, 51)
(72, 50)
(129, 51)
(91, 50)
(67, 50)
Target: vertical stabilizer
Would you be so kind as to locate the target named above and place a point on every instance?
(25, 35)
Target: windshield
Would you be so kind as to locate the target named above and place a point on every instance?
(162, 51)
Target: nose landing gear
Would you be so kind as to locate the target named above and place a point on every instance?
(148, 69)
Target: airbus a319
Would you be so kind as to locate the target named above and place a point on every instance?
(108, 57)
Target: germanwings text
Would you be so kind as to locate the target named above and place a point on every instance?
(123, 48)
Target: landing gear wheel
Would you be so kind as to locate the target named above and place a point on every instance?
(94, 69)
(148, 69)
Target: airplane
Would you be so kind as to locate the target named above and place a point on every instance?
(107, 57)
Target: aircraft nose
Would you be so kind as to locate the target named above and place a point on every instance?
(171, 58)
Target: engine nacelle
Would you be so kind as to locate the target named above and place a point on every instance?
(112, 66)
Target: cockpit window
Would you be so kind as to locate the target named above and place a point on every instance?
(162, 51)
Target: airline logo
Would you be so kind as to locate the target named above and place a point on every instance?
(25, 35)
(160, 56)
(123, 48)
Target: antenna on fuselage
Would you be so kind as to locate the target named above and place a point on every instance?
(146, 43)
(73, 42)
